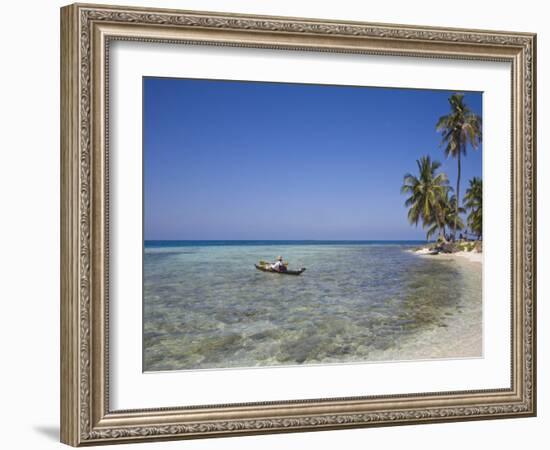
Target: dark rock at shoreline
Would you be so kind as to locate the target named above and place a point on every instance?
(448, 247)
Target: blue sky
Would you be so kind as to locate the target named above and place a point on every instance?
(247, 160)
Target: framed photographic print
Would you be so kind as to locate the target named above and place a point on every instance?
(275, 224)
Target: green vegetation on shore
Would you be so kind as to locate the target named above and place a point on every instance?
(473, 201)
(431, 200)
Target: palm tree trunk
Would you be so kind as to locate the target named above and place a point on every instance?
(457, 195)
(442, 237)
(441, 225)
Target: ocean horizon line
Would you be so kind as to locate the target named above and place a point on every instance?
(168, 242)
(322, 240)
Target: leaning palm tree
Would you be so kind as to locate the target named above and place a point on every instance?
(452, 215)
(460, 128)
(473, 201)
(427, 192)
(449, 217)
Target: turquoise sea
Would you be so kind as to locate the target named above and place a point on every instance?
(205, 305)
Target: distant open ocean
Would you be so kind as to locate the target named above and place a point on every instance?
(206, 306)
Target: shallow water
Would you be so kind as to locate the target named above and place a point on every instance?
(206, 306)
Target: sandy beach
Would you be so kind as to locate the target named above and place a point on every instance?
(473, 256)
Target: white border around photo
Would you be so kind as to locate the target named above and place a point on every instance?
(133, 389)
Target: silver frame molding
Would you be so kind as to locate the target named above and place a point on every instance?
(86, 33)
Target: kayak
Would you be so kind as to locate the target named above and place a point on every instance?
(267, 268)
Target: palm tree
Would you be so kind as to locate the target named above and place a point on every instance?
(427, 193)
(449, 216)
(473, 202)
(460, 128)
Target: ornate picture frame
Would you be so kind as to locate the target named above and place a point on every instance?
(87, 32)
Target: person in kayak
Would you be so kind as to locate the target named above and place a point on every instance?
(279, 266)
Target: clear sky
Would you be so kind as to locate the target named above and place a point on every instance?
(248, 160)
